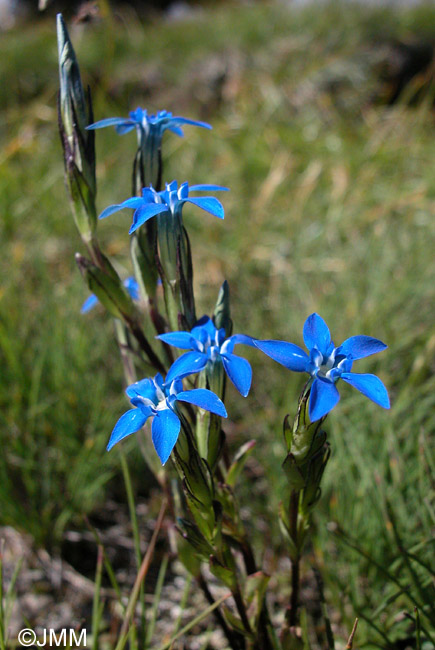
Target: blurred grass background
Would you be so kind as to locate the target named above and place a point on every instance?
(331, 210)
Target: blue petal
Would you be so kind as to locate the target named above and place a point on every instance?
(208, 188)
(164, 432)
(176, 130)
(110, 121)
(143, 388)
(89, 304)
(205, 399)
(146, 212)
(134, 202)
(370, 386)
(124, 128)
(239, 371)
(132, 287)
(184, 120)
(185, 365)
(182, 340)
(204, 327)
(287, 354)
(316, 334)
(358, 347)
(127, 424)
(324, 396)
(209, 204)
(236, 339)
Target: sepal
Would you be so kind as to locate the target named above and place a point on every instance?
(221, 314)
(108, 288)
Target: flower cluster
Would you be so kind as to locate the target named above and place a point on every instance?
(206, 346)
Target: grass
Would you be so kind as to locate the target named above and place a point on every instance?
(331, 210)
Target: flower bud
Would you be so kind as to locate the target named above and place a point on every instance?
(75, 113)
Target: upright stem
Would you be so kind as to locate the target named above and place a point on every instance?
(295, 576)
(235, 639)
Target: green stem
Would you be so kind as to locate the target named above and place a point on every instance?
(295, 575)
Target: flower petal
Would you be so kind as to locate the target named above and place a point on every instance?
(187, 364)
(208, 188)
(164, 432)
(203, 398)
(287, 354)
(146, 212)
(209, 204)
(185, 120)
(358, 347)
(89, 304)
(127, 424)
(370, 386)
(235, 339)
(143, 388)
(316, 334)
(182, 340)
(239, 371)
(204, 327)
(176, 130)
(110, 121)
(324, 396)
(124, 128)
(134, 202)
(132, 287)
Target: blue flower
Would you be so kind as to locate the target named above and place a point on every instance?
(149, 124)
(154, 398)
(130, 284)
(327, 364)
(171, 200)
(209, 344)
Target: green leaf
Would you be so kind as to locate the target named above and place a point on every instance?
(239, 461)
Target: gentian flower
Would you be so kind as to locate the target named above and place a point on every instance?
(170, 200)
(130, 284)
(209, 344)
(327, 364)
(150, 124)
(154, 398)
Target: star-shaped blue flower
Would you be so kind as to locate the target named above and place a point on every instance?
(171, 199)
(154, 398)
(209, 344)
(327, 364)
(130, 284)
(150, 124)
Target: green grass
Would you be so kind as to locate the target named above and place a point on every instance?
(331, 210)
